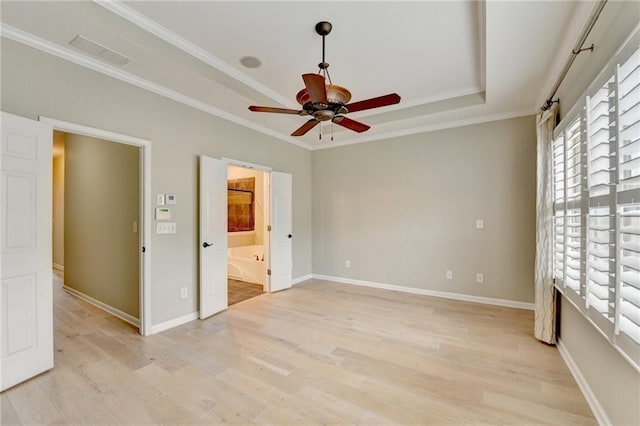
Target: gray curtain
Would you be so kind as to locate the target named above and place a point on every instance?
(545, 295)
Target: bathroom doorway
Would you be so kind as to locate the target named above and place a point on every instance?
(247, 206)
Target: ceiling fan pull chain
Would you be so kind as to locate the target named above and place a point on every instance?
(332, 131)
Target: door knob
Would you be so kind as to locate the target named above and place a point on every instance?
(289, 236)
(206, 244)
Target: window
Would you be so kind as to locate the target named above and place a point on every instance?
(596, 187)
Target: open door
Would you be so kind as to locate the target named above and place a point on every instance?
(281, 231)
(26, 305)
(213, 236)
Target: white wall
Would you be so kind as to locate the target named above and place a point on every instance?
(612, 380)
(34, 83)
(404, 210)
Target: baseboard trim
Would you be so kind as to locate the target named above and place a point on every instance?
(433, 293)
(98, 304)
(163, 326)
(300, 280)
(594, 404)
(58, 267)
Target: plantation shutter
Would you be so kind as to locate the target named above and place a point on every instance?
(601, 282)
(628, 100)
(596, 184)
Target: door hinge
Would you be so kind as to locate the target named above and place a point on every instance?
(268, 227)
(144, 249)
(269, 272)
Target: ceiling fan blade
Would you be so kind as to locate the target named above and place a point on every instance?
(350, 124)
(305, 127)
(380, 101)
(316, 88)
(278, 110)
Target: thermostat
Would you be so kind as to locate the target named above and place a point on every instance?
(170, 198)
(163, 213)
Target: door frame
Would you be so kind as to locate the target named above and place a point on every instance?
(266, 238)
(144, 206)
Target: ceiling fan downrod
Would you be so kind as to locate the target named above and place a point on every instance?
(323, 28)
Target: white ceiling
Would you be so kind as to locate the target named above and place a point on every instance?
(452, 62)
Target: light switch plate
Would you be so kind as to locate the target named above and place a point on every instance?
(160, 200)
(479, 277)
(165, 228)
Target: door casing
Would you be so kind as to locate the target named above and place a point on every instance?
(144, 207)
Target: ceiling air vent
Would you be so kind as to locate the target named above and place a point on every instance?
(93, 48)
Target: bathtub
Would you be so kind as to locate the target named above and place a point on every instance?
(242, 264)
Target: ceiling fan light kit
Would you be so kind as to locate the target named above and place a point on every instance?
(328, 102)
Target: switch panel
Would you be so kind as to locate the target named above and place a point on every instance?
(165, 228)
(479, 224)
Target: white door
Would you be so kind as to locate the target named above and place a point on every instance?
(26, 317)
(213, 236)
(281, 231)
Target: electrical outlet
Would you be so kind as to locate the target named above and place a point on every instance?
(480, 277)
(479, 224)
(449, 275)
(183, 293)
(347, 264)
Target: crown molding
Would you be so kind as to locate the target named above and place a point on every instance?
(119, 8)
(430, 128)
(54, 49)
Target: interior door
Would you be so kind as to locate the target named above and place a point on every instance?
(26, 315)
(213, 236)
(281, 231)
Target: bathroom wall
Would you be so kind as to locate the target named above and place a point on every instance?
(237, 239)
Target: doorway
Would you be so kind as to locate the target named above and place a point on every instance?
(276, 253)
(96, 213)
(99, 245)
(246, 213)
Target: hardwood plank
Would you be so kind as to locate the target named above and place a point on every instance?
(320, 353)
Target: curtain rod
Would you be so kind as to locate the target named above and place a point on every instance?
(595, 14)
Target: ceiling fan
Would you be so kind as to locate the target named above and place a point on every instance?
(328, 102)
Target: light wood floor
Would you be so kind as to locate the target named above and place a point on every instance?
(320, 353)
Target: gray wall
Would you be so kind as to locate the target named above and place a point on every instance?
(611, 378)
(101, 204)
(404, 210)
(34, 83)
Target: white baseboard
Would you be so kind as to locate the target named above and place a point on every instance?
(98, 304)
(433, 293)
(58, 267)
(300, 280)
(594, 404)
(163, 326)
